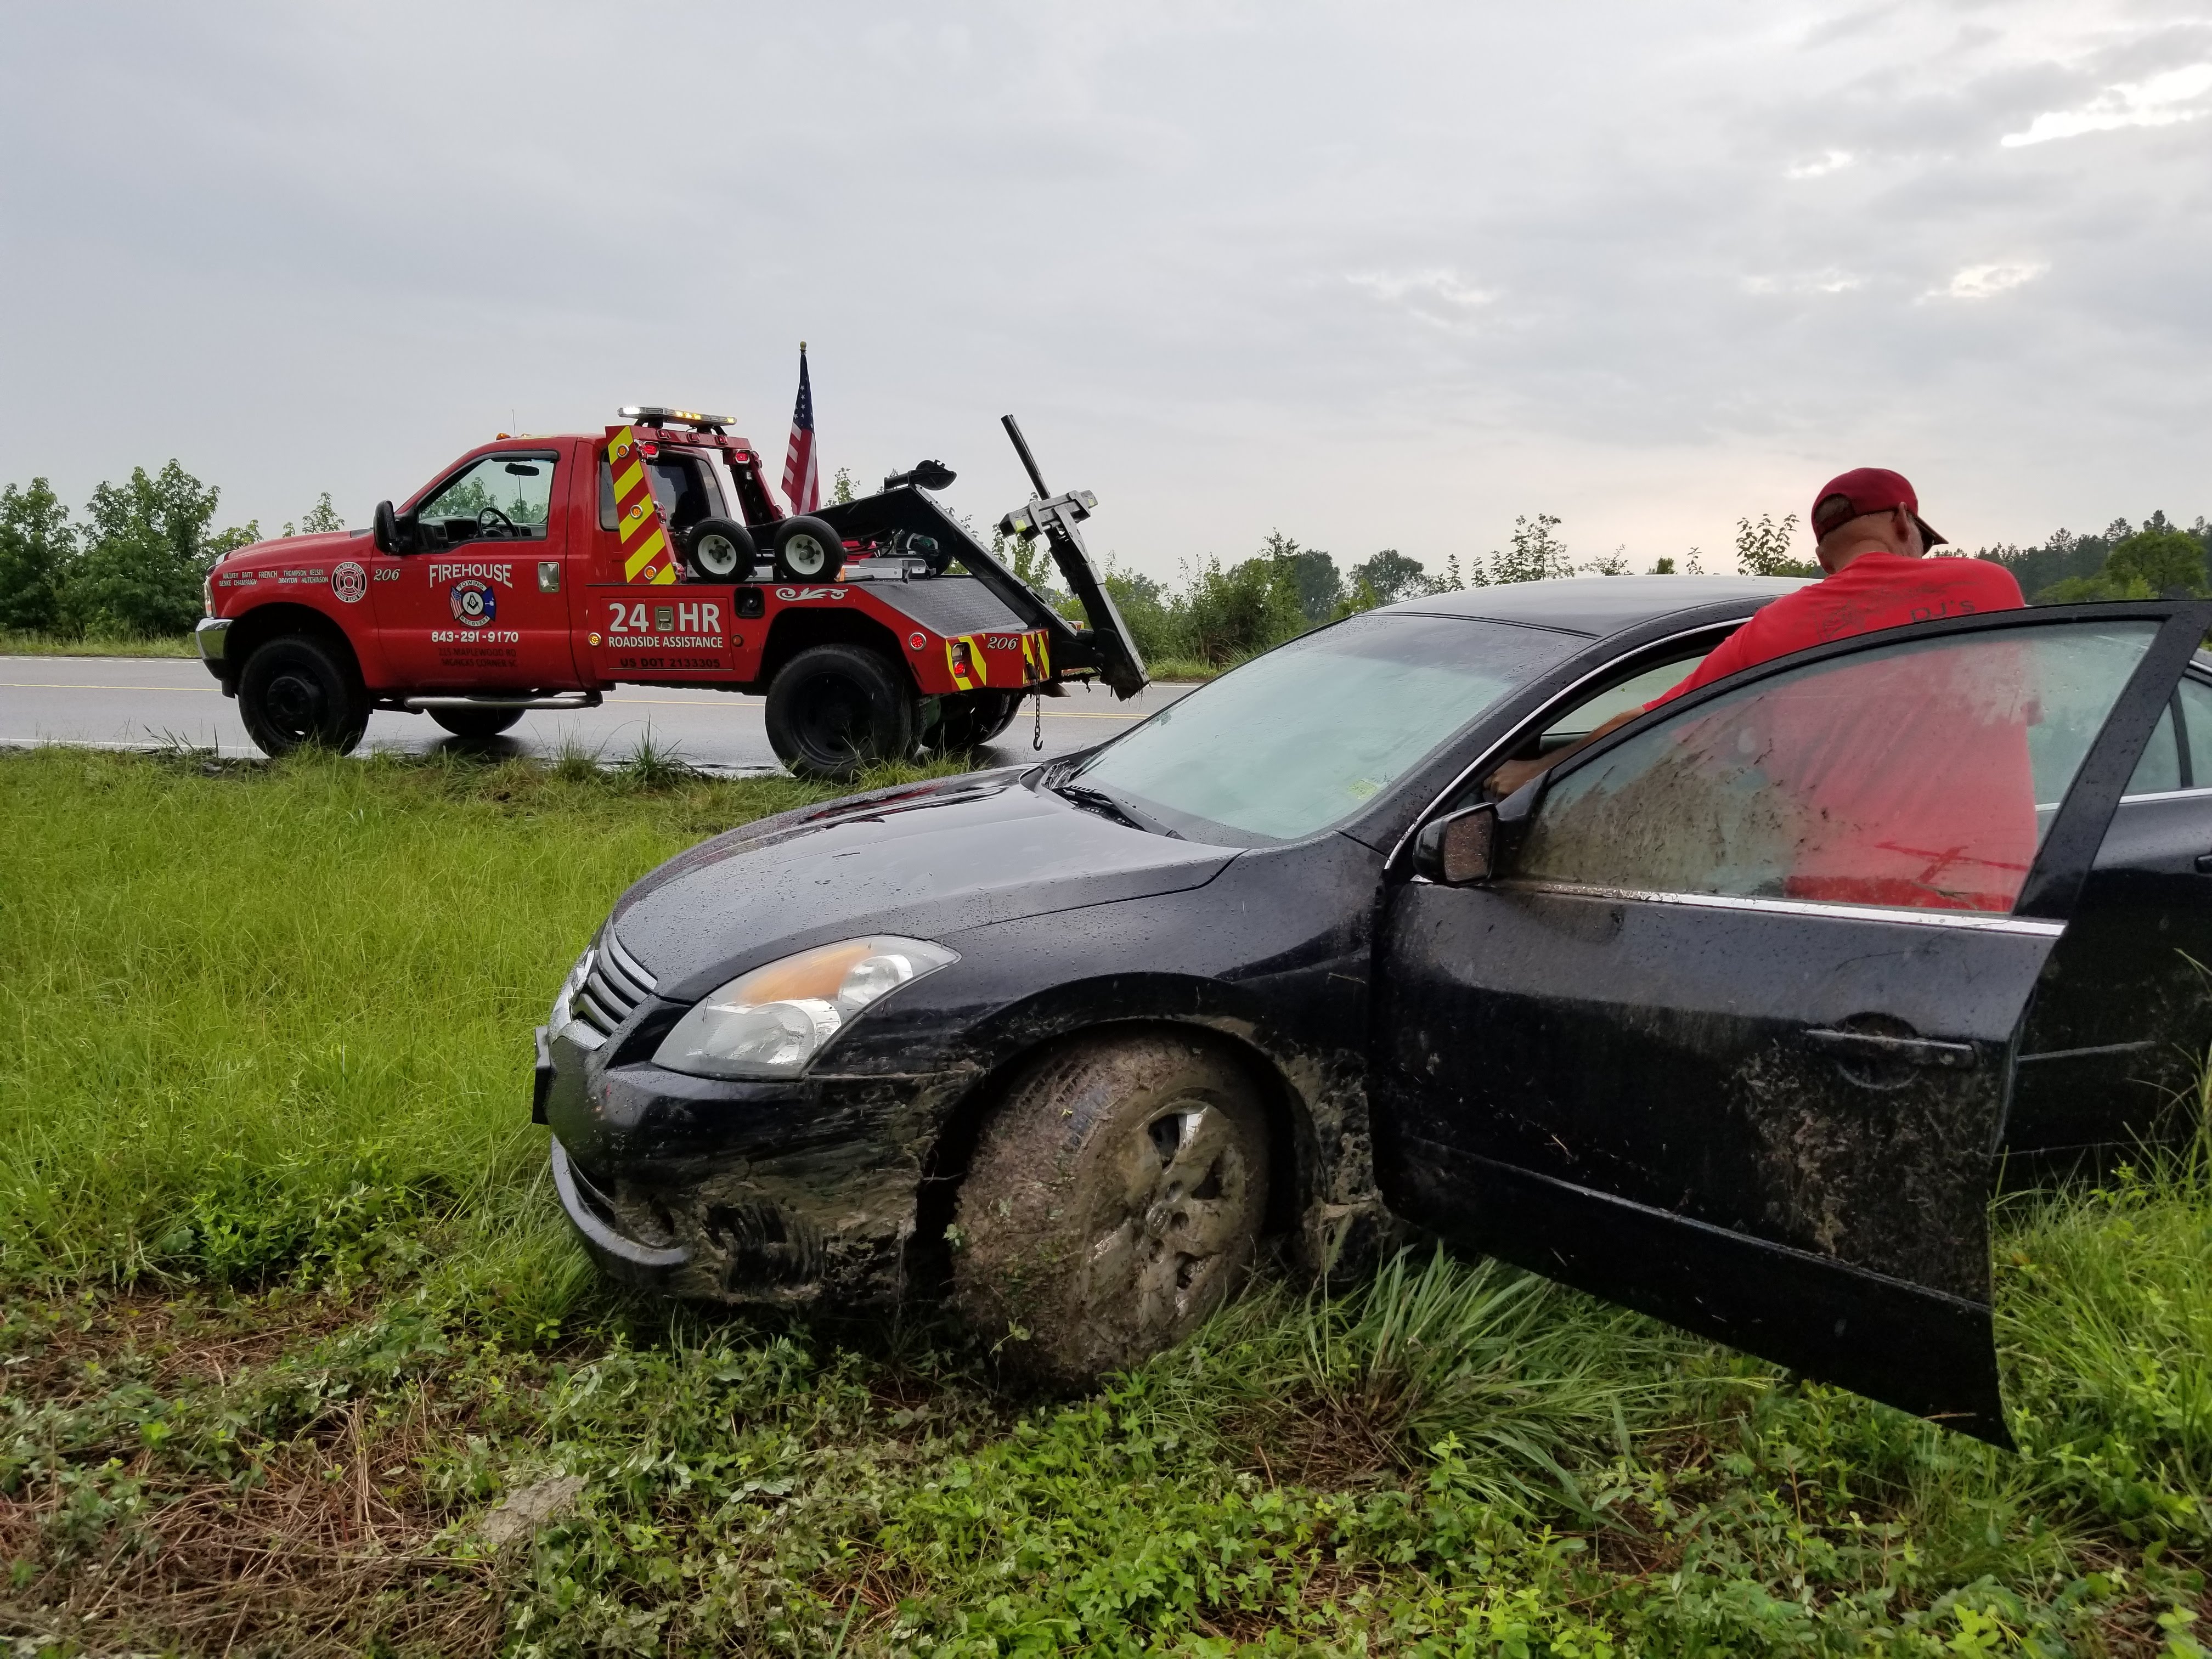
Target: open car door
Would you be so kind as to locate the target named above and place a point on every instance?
(1722, 1024)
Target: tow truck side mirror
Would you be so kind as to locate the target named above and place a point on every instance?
(385, 529)
(1459, 849)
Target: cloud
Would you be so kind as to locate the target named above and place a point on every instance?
(1830, 281)
(2132, 104)
(1393, 287)
(1437, 298)
(1985, 281)
(1828, 161)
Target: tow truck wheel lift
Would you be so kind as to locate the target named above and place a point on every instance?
(877, 629)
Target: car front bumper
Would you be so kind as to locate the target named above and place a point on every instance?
(804, 1194)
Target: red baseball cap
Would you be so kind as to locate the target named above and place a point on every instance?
(1868, 489)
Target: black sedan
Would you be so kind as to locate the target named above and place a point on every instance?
(1733, 1016)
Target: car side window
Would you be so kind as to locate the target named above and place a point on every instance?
(499, 497)
(2195, 699)
(1586, 716)
(1900, 775)
(2160, 769)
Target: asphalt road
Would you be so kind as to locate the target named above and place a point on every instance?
(138, 702)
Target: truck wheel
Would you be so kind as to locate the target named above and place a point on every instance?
(808, 551)
(965, 719)
(720, 550)
(834, 709)
(1116, 1201)
(1005, 718)
(475, 722)
(294, 691)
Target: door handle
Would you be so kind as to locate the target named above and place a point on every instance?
(2204, 864)
(1910, 1051)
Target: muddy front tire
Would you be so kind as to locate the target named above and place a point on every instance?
(294, 691)
(834, 709)
(1116, 1200)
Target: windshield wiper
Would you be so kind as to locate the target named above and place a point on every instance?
(1098, 800)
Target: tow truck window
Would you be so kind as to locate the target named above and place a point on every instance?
(500, 497)
(684, 488)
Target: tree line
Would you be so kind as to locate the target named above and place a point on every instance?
(131, 567)
(1220, 613)
(134, 563)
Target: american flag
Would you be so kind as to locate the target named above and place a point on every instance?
(801, 485)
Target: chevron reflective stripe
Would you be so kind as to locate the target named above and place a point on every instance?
(1036, 658)
(959, 655)
(646, 555)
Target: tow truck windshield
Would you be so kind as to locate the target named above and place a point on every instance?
(1302, 738)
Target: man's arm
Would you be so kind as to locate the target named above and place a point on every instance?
(1730, 654)
(1512, 775)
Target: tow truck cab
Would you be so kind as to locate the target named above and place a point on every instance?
(526, 575)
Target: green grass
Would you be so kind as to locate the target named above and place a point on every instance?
(286, 1308)
(1188, 668)
(14, 642)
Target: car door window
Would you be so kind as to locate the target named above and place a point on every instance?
(2194, 697)
(1900, 775)
(2160, 769)
(500, 497)
(1586, 716)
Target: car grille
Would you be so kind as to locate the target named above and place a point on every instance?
(615, 982)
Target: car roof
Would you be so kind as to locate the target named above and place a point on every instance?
(1598, 606)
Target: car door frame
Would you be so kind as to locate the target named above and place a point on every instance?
(1723, 1281)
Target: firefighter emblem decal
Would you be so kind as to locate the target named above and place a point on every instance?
(348, 581)
(475, 604)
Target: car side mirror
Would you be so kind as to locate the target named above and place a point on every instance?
(1459, 849)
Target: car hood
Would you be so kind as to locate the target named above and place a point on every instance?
(928, 860)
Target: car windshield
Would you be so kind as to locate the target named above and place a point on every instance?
(1301, 739)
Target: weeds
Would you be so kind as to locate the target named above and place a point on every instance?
(291, 1312)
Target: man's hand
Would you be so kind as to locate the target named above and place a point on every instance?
(1512, 775)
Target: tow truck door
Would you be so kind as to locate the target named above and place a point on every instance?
(1727, 1039)
(663, 632)
(482, 601)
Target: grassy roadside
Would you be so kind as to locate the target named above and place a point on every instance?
(292, 1337)
(17, 643)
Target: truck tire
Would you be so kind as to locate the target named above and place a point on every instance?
(1116, 1200)
(475, 722)
(808, 551)
(720, 550)
(294, 690)
(966, 718)
(834, 709)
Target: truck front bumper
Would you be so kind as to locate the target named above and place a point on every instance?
(211, 634)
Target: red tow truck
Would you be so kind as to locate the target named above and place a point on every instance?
(537, 572)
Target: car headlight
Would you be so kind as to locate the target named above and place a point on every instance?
(563, 1016)
(771, 1022)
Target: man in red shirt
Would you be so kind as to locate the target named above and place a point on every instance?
(1873, 545)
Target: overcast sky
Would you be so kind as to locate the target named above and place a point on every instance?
(1377, 275)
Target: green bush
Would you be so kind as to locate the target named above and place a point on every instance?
(36, 543)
